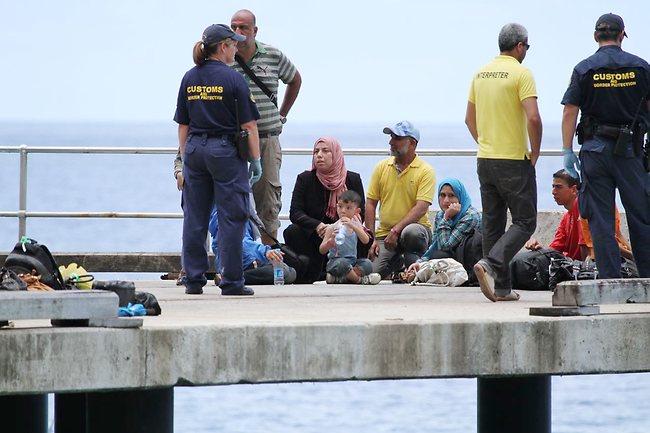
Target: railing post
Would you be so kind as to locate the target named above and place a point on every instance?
(22, 195)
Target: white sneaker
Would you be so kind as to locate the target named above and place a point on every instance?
(372, 279)
(330, 279)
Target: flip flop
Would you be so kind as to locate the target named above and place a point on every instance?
(486, 281)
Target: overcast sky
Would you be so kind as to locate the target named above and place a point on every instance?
(360, 61)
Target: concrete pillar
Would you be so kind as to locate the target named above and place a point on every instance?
(70, 413)
(514, 404)
(23, 413)
(137, 411)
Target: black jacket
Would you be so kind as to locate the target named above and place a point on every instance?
(310, 197)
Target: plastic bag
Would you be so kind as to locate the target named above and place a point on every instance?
(76, 277)
(441, 272)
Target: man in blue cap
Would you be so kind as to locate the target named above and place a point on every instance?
(611, 90)
(405, 185)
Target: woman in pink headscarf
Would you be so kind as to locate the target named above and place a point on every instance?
(313, 204)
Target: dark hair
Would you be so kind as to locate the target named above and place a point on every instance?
(350, 196)
(607, 34)
(565, 176)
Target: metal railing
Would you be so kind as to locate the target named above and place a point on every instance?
(22, 213)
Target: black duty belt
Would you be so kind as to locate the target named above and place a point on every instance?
(220, 135)
(609, 131)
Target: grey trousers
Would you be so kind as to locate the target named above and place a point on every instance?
(413, 242)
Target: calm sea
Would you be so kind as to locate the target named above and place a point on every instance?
(144, 183)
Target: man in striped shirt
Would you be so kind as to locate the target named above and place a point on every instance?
(270, 65)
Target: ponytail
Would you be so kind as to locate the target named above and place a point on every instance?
(199, 54)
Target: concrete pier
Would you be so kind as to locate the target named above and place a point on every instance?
(323, 332)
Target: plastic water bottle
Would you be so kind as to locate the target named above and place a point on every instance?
(340, 235)
(278, 272)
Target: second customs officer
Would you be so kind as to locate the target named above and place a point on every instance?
(611, 90)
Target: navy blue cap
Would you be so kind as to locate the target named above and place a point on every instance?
(611, 21)
(218, 32)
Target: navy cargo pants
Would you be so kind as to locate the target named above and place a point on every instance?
(213, 174)
(602, 172)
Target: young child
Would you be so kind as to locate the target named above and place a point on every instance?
(343, 266)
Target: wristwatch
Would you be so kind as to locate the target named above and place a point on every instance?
(283, 119)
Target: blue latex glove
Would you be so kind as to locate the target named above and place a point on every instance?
(254, 171)
(132, 310)
(571, 162)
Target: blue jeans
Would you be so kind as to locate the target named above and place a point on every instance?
(506, 185)
(341, 266)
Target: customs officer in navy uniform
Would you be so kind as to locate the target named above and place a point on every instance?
(611, 90)
(212, 97)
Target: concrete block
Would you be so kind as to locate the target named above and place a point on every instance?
(61, 304)
(116, 322)
(597, 292)
(564, 311)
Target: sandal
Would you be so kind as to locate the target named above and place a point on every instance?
(512, 296)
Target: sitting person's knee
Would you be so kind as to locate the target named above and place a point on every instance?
(339, 268)
(415, 238)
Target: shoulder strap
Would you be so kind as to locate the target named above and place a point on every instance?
(272, 96)
(260, 226)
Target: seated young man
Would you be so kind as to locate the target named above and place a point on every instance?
(569, 239)
(572, 238)
(529, 270)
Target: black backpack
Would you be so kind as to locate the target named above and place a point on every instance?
(529, 270)
(149, 302)
(28, 255)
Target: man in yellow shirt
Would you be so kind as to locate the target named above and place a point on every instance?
(502, 115)
(404, 185)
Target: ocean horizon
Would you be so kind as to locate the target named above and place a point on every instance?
(145, 183)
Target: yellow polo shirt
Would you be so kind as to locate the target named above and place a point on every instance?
(397, 192)
(497, 91)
